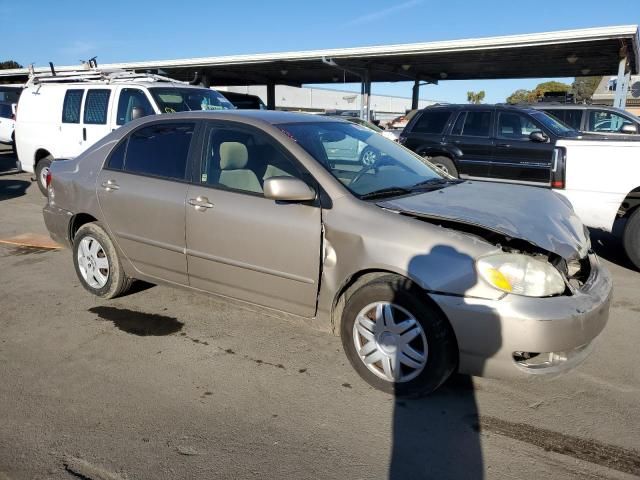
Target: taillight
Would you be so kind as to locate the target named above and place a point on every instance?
(558, 167)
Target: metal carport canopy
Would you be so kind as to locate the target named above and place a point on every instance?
(568, 53)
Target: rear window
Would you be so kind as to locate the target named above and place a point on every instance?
(71, 106)
(5, 110)
(432, 121)
(158, 150)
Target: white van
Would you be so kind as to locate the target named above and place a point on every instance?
(61, 116)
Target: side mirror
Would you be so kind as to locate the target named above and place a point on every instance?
(137, 112)
(629, 128)
(538, 136)
(288, 189)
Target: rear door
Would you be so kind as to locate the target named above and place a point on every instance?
(245, 246)
(95, 117)
(426, 133)
(471, 135)
(517, 158)
(142, 191)
(70, 142)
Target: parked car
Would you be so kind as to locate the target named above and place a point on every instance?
(421, 274)
(7, 123)
(244, 101)
(61, 116)
(593, 118)
(390, 134)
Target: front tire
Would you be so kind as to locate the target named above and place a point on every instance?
(631, 238)
(445, 164)
(97, 264)
(396, 339)
(42, 169)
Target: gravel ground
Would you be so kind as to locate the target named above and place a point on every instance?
(165, 384)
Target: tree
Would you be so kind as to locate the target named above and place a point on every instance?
(519, 96)
(6, 65)
(531, 96)
(583, 87)
(475, 97)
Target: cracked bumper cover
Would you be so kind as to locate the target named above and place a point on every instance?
(562, 329)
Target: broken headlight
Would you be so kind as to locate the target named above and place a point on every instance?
(521, 275)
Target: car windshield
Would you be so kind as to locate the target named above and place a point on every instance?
(367, 163)
(172, 99)
(556, 126)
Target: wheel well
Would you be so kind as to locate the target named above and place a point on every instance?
(77, 221)
(40, 154)
(631, 202)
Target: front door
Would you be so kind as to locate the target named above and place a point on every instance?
(471, 135)
(142, 192)
(240, 244)
(517, 157)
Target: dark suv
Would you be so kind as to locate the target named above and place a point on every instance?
(593, 118)
(497, 142)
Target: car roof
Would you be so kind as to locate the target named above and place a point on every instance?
(480, 106)
(274, 117)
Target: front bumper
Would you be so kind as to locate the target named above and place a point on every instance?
(57, 221)
(561, 329)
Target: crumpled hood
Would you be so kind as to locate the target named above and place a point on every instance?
(536, 215)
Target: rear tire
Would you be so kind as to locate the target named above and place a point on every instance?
(411, 329)
(445, 164)
(631, 238)
(97, 263)
(42, 168)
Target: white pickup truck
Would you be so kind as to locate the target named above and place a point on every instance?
(602, 181)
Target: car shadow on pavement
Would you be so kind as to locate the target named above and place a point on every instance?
(609, 246)
(437, 437)
(11, 188)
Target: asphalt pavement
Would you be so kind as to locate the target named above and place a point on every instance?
(166, 384)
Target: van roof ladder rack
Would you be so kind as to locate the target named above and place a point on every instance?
(96, 75)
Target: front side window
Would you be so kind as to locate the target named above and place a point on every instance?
(5, 110)
(432, 121)
(515, 126)
(175, 99)
(604, 121)
(96, 106)
(71, 106)
(159, 150)
(129, 99)
(392, 169)
(241, 160)
(475, 124)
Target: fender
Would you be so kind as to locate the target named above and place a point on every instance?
(446, 150)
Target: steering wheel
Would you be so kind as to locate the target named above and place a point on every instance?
(370, 165)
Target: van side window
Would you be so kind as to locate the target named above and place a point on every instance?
(160, 150)
(71, 106)
(95, 106)
(131, 98)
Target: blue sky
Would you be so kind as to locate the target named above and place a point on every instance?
(66, 31)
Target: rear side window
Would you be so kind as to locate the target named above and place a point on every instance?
(95, 106)
(116, 159)
(71, 106)
(131, 98)
(160, 150)
(476, 124)
(432, 121)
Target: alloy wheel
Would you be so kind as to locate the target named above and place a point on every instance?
(93, 262)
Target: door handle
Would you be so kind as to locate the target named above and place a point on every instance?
(504, 145)
(110, 185)
(84, 134)
(200, 203)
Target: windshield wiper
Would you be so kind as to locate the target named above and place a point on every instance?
(385, 192)
(435, 182)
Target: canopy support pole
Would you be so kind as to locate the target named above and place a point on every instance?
(271, 96)
(622, 84)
